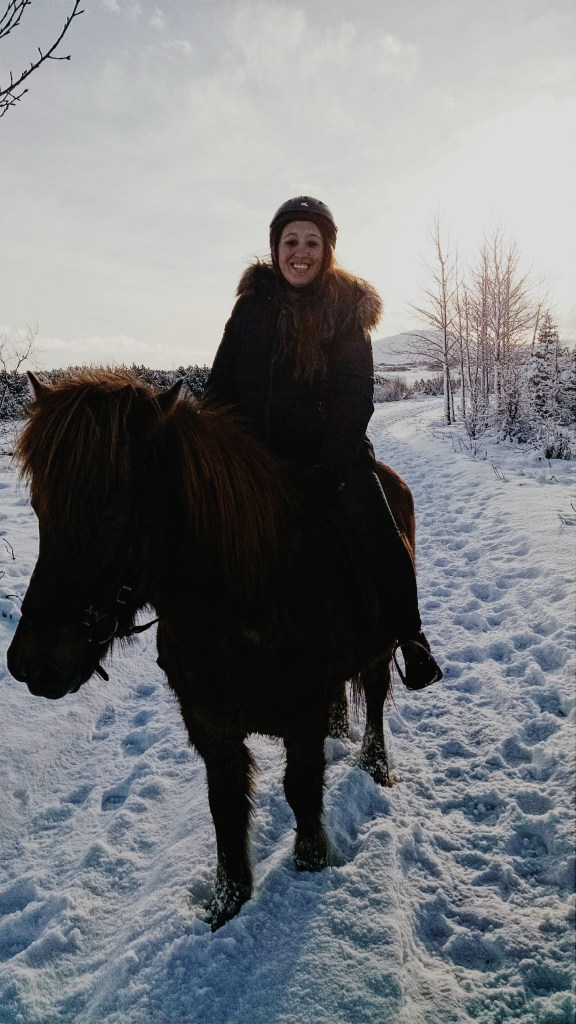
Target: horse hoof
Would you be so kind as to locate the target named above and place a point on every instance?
(311, 854)
(374, 761)
(229, 898)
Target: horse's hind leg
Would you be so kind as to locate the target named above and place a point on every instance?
(375, 683)
(303, 786)
(229, 770)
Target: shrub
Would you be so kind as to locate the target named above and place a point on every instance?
(390, 389)
(559, 447)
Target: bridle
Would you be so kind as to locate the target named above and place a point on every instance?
(94, 617)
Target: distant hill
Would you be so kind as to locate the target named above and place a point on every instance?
(392, 352)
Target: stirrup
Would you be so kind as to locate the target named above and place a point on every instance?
(430, 660)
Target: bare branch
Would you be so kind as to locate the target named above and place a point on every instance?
(15, 350)
(11, 17)
(9, 95)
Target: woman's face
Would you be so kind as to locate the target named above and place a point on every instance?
(300, 253)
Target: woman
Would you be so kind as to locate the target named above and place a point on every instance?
(296, 360)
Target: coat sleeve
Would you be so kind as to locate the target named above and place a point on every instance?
(350, 399)
(221, 386)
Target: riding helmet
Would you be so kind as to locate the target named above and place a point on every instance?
(303, 208)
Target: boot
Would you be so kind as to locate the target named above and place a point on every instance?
(420, 667)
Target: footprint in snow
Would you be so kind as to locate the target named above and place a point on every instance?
(547, 699)
(483, 809)
(105, 720)
(17, 895)
(145, 690)
(532, 802)
(530, 848)
(514, 752)
(52, 817)
(116, 796)
(540, 729)
(23, 928)
(454, 748)
(485, 591)
(79, 796)
(139, 741)
(460, 937)
(142, 718)
(544, 979)
(476, 952)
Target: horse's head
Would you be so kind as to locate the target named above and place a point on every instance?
(85, 451)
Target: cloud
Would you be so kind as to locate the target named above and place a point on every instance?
(178, 48)
(114, 350)
(278, 55)
(137, 194)
(158, 19)
(130, 7)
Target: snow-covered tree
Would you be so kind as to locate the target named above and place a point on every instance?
(543, 372)
(437, 344)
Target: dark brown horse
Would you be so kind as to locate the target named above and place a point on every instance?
(143, 498)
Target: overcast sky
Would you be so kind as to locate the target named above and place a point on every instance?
(139, 178)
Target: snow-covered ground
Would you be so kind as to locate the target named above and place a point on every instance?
(449, 898)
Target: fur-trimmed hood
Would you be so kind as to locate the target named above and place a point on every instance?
(349, 294)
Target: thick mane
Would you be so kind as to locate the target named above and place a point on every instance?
(239, 507)
(76, 451)
(74, 442)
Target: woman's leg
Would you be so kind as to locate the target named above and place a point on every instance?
(366, 506)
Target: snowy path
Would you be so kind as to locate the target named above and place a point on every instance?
(448, 900)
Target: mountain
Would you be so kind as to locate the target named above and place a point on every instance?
(393, 351)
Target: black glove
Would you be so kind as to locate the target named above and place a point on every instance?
(321, 483)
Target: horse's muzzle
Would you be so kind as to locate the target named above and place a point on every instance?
(45, 674)
(43, 680)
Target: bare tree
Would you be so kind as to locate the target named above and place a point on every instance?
(508, 305)
(437, 344)
(11, 20)
(15, 350)
(472, 358)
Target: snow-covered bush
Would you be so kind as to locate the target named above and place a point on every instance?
(428, 386)
(15, 391)
(560, 446)
(390, 389)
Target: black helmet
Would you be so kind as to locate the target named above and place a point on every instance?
(303, 208)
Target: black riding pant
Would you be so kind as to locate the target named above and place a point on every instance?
(366, 508)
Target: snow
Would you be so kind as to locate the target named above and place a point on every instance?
(449, 896)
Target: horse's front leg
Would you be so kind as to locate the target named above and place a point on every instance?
(229, 770)
(373, 754)
(303, 786)
(338, 718)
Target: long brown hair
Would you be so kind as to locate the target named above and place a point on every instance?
(307, 320)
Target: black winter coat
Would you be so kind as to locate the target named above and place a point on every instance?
(322, 421)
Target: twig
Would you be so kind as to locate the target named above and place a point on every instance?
(9, 548)
(8, 97)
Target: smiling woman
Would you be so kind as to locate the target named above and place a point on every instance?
(300, 253)
(296, 362)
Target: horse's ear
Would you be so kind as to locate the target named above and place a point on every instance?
(37, 387)
(167, 399)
